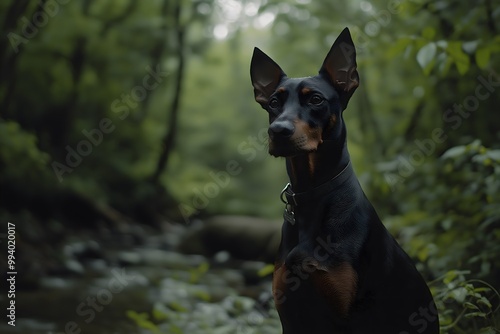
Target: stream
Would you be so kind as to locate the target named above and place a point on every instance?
(145, 287)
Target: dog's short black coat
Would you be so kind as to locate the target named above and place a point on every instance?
(338, 270)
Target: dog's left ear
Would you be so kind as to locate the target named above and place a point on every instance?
(340, 67)
(266, 76)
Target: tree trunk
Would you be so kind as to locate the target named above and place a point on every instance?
(9, 56)
(157, 54)
(168, 141)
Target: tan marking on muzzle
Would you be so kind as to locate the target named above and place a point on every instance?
(306, 138)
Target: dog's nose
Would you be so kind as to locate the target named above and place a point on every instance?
(282, 129)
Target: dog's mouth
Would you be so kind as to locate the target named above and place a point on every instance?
(293, 146)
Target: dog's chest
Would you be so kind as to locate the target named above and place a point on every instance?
(307, 274)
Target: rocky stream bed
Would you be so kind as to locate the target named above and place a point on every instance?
(121, 283)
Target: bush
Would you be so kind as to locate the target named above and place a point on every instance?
(450, 218)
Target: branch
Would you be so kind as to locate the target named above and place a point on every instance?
(117, 19)
(413, 124)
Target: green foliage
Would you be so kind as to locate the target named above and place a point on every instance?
(197, 273)
(466, 304)
(441, 55)
(450, 218)
(266, 270)
(466, 36)
(142, 321)
(451, 214)
(20, 157)
(68, 80)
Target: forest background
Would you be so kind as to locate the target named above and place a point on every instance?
(143, 111)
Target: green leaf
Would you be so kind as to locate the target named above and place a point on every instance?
(475, 315)
(469, 287)
(461, 59)
(445, 65)
(463, 65)
(470, 46)
(266, 270)
(137, 316)
(176, 329)
(484, 301)
(483, 57)
(482, 289)
(197, 273)
(429, 33)
(177, 306)
(399, 47)
(470, 306)
(159, 312)
(203, 295)
(141, 320)
(454, 152)
(494, 154)
(423, 254)
(459, 294)
(425, 57)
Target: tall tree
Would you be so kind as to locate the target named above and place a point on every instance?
(168, 141)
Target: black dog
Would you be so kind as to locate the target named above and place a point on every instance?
(338, 269)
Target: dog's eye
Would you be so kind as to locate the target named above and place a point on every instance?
(316, 100)
(274, 103)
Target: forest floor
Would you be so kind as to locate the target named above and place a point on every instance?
(137, 283)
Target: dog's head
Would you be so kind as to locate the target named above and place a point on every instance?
(305, 111)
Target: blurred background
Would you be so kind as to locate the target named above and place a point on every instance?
(134, 165)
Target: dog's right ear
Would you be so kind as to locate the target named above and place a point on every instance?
(340, 67)
(266, 76)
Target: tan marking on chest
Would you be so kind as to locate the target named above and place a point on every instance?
(279, 284)
(338, 285)
(311, 158)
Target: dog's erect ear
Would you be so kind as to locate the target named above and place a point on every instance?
(340, 67)
(266, 75)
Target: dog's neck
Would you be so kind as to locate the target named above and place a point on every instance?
(310, 170)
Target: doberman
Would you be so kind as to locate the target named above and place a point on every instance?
(338, 269)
